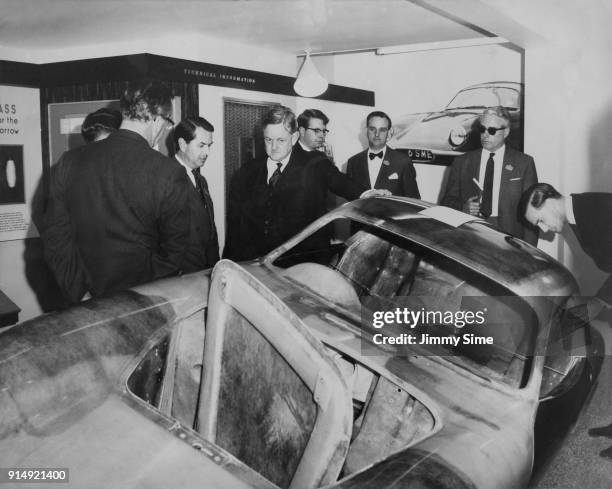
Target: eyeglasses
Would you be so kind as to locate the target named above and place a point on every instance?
(491, 130)
(318, 132)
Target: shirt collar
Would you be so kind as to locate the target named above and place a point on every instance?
(304, 147)
(499, 153)
(187, 168)
(384, 152)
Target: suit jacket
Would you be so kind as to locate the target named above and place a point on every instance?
(261, 218)
(593, 228)
(203, 246)
(396, 164)
(117, 216)
(518, 174)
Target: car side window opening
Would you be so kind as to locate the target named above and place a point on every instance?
(386, 418)
(384, 269)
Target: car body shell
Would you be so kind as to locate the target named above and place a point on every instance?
(66, 400)
(428, 137)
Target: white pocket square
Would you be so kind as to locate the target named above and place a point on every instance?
(514, 179)
(393, 176)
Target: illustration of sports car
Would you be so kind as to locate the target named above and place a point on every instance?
(437, 137)
(277, 372)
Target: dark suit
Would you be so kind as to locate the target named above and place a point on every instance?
(593, 228)
(518, 174)
(261, 218)
(396, 165)
(203, 247)
(117, 216)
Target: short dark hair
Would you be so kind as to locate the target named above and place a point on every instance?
(144, 98)
(498, 111)
(304, 118)
(186, 129)
(378, 113)
(536, 195)
(103, 120)
(540, 193)
(281, 115)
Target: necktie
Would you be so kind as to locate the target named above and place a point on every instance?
(199, 184)
(486, 205)
(376, 155)
(276, 175)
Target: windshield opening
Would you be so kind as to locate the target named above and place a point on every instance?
(388, 273)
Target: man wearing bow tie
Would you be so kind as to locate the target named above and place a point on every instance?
(193, 138)
(380, 166)
(490, 182)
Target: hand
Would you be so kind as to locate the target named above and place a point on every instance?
(374, 192)
(472, 206)
(327, 149)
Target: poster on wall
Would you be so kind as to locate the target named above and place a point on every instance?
(438, 136)
(20, 160)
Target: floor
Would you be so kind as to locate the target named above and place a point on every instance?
(580, 463)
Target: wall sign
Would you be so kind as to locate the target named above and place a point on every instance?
(20, 160)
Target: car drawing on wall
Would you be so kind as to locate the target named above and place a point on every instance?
(270, 373)
(437, 137)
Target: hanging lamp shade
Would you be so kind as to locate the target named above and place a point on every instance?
(309, 82)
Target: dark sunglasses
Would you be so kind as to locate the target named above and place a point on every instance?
(491, 130)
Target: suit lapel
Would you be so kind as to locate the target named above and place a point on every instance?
(474, 171)
(361, 170)
(507, 170)
(385, 170)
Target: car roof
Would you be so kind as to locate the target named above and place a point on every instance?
(506, 84)
(509, 261)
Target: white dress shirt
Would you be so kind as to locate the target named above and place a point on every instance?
(272, 165)
(374, 165)
(569, 210)
(499, 161)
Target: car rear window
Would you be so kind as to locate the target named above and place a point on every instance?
(387, 272)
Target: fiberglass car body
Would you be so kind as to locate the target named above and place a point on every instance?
(268, 374)
(437, 137)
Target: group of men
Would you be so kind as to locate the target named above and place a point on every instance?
(120, 213)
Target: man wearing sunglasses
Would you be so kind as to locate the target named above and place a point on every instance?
(489, 182)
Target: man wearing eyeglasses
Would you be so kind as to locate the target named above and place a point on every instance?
(273, 198)
(380, 166)
(312, 126)
(117, 214)
(490, 182)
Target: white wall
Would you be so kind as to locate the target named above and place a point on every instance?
(13, 280)
(422, 82)
(568, 117)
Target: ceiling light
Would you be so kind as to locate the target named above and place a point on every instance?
(309, 82)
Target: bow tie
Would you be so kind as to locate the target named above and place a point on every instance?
(376, 155)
